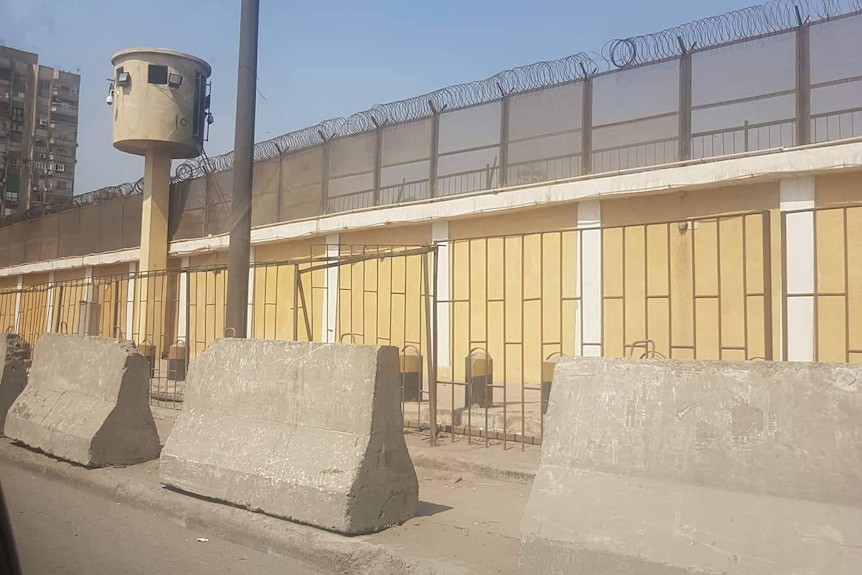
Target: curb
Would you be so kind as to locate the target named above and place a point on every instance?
(324, 550)
(453, 464)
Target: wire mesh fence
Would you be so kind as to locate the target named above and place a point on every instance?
(541, 123)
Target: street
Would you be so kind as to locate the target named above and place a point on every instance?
(60, 529)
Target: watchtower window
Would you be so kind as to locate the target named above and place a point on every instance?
(157, 74)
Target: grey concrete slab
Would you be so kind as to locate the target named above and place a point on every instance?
(87, 402)
(305, 431)
(698, 467)
(13, 374)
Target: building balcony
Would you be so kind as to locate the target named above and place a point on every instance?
(70, 95)
(67, 109)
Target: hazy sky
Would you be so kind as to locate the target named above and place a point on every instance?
(318, 58)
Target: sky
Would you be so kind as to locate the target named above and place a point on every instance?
(318, 59)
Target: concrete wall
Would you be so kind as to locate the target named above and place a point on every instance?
(13, 373)
(277, 439)
(695, 467)
(86, 401)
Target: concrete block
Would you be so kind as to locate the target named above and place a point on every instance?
(305, 431)
(13, 374)
(86, 402)
(696, 467)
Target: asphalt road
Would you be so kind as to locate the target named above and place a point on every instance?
(59, 529)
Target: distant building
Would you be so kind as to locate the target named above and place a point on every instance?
(38, 131)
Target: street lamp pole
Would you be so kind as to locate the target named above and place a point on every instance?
(236, 312)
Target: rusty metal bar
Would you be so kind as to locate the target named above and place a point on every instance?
(431, 352)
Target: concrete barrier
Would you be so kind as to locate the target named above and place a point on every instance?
(305, 431)
(87, 402)
(672, 467)
(13, 374)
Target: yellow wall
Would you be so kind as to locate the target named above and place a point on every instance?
(380, 300)
(838, 189)
(274, 288)
(71, 275)
(8, 296)
(209, 259)
(8, 282)
(389, 236)
(513, 283)
(695, 291)
(33, 310)
(121, 269)
(521, 222)
(512, 290)
(838, 310)
(679, 206)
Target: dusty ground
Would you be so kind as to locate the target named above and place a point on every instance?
(466, 522)
(59, 529)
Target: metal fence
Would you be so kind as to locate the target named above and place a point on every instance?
(830, 292)
(479, 322)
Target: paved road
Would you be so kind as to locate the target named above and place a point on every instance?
(59, 529)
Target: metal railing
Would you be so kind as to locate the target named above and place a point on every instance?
(478, 337)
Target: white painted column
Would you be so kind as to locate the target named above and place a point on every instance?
(440, 236)
(49, 305)
(798, 194)
(330, 288)
(588, 329)
(182, 306)
(130, 301)
(20, 287)
(85, 316)
(249, 322)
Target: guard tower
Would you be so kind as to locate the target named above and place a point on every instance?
(160, 104)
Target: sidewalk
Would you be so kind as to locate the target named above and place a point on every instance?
(492, 462)
(471, 501)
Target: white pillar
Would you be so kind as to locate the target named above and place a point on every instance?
(440, 236)
(249, 326)
(49, 304)
(130, 301)
(588, 327)
(182, 306)
(798, 194)
(20, 287)
(85, 316)
(330, 289)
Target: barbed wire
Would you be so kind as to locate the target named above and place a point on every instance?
(524, 78)
(772, 17)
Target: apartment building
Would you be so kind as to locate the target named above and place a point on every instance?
(38, 131)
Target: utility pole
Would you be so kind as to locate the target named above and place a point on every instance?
(236, 313)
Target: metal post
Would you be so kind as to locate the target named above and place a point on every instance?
(803, 81)
(435, 142)
(236, 312)
(327, 153)
(684, 102)
(431, 337)
(378, 161)
(587, 126)
(503, 179)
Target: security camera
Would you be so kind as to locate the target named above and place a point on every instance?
(110, 99)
